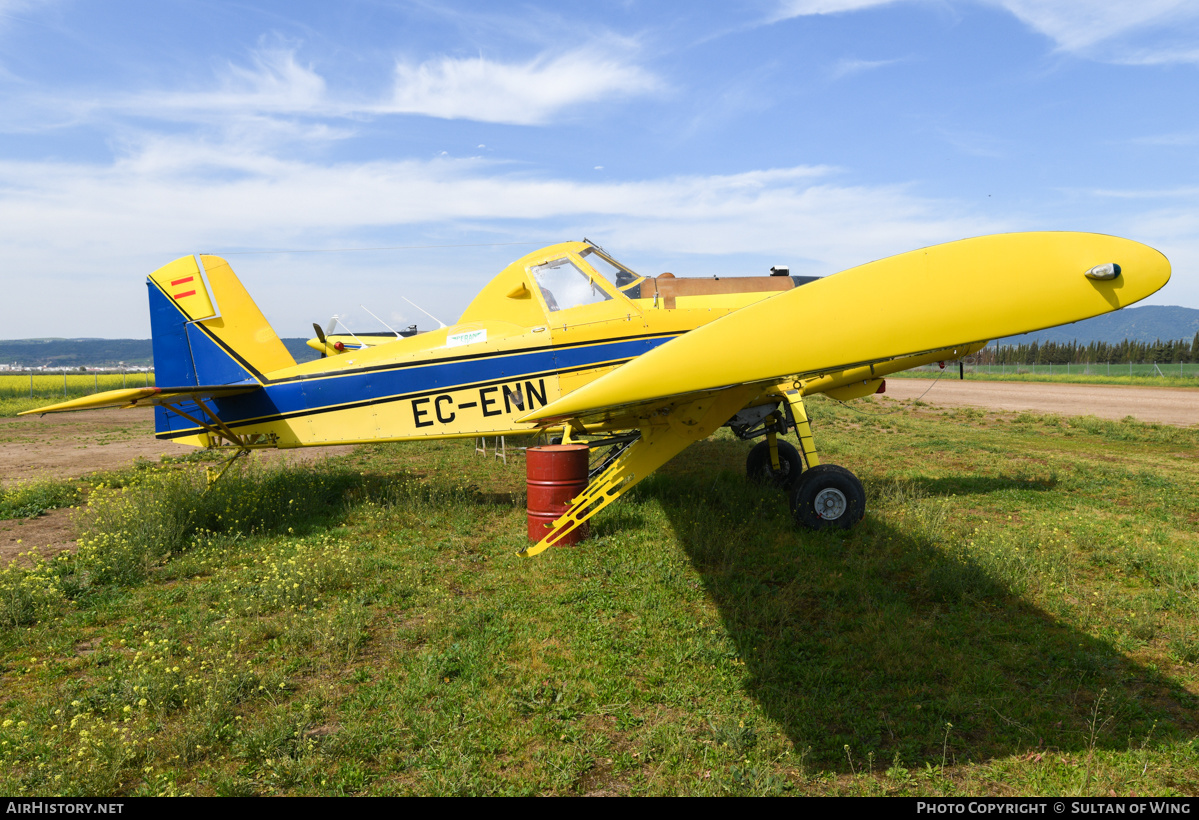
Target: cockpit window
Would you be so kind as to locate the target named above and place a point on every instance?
(564, 285)
(610, 269)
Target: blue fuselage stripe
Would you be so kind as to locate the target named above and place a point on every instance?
(328, 392)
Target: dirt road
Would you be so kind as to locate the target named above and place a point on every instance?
(70, 445)
(1164, 405)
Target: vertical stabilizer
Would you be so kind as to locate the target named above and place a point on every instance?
(206, 329)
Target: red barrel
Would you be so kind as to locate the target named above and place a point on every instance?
(555, 474)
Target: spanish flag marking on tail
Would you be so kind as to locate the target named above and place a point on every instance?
(181, 280)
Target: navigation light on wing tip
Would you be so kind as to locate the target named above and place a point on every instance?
(1109, 271)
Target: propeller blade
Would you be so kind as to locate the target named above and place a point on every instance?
(320, 336)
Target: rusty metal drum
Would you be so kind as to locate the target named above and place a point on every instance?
(555, 474)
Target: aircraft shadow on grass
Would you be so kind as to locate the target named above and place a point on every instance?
(879, 638)
(980, 485)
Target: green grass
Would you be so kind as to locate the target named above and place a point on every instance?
(1016, 615)
(12, 406)
(32, 498)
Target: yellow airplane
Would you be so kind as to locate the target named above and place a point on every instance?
(567, 337)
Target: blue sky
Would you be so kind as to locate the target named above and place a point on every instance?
(701, 138)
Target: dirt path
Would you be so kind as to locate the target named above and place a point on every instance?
(71, 445)
(1164, 405)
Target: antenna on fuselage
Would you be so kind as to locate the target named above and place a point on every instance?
(440, 323)
(595, 245)
(380, 321)
(336, 320)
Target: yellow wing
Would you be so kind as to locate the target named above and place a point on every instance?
(841, 334)
(944, 297)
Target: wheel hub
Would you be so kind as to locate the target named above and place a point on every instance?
(830, 504)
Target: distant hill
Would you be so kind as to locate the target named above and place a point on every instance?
(102, 352)
(1137, 324)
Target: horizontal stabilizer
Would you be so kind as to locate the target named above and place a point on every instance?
(144, 397)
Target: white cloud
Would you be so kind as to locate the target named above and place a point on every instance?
(83, 235)
(12, 9)
(1076, 25)
(848, 67)
(1175, 139)
(276, 84)
(529, 93)
(1120, 31)
(1175, 231)
(1155, 56)
(803, 8)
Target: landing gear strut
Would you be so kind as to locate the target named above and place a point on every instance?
(783, 474)
(824, 496)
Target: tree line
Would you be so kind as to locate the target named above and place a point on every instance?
(1174, 351)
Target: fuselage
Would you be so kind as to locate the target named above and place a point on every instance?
(549, 323)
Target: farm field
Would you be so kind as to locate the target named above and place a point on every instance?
(1016, 615)
(69, 385)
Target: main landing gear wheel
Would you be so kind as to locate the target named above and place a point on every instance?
(760, 470)
(828, 497)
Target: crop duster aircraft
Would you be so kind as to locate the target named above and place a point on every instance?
(567, 337)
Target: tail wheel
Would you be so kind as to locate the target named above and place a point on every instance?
(760, 470)
(828, 497)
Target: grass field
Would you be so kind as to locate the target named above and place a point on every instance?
(1016, 615)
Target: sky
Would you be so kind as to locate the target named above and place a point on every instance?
(348, 154)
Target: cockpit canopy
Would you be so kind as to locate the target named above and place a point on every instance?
(558, 278)
(565, 284)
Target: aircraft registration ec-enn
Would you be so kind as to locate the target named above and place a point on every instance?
(567, 337)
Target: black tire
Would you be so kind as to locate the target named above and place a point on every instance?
(555, 439)
(828, 497)
(760, 470)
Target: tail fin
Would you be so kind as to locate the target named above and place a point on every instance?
(209, 337)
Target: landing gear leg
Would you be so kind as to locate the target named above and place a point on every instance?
(825, 496)
(803, 430)
(774, 462)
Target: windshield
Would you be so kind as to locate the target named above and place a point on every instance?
(610, 269)
(564, 285)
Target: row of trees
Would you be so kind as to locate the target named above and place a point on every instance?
(1075, 353)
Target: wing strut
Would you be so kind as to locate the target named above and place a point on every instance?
(216, 429)
(663, 436)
